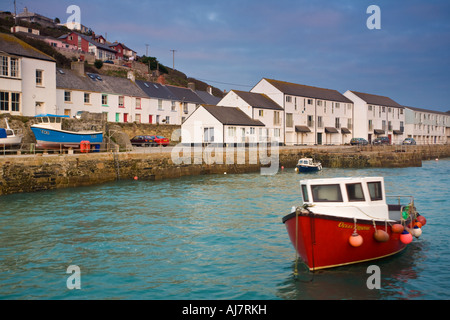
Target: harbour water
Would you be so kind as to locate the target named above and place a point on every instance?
(216, 237)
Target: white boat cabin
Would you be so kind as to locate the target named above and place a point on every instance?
(307, 162)
(48, 121)
(360, 198)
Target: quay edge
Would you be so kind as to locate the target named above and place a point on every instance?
(30, 173)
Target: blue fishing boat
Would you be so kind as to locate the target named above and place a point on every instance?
(308, 165)
(49, 134)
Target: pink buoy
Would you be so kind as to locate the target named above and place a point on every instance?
(355, 240)
(406, 237)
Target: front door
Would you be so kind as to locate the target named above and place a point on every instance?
(125, 117)
(319, 138)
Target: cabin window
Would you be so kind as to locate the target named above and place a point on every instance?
(326, 193)
(355, 192)
(305, 193)
(375, 191)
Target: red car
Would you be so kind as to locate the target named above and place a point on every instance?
(160, 141)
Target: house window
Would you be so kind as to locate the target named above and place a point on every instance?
(3, 66)
(252, 130)
(276, 133)
(4, 101)
(310, 122)
(138, 117)
(67, 96)
(14, 67)
(160, 106)
(104, 100)
(288, 99)
(289, 120)
(121, 102)
(208, 134)
(337, 123)
(167, 120)
(87, 98)
(39, 77)
(185, 107)
(319, 122)
(276, 117)
(232, 131)
(173, 106)
(349, 124)
(338, 105)
(319, 103)
(15, 101)
(261, 113)
(138, 103)
(310, 101)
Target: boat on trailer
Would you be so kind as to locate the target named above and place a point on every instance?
(9, 137)
(49, 134)
(347, 220)
(308, 165)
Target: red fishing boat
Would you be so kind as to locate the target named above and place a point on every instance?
(347, 220)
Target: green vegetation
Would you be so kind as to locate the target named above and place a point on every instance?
(153, 63)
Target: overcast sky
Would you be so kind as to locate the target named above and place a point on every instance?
(232, 44)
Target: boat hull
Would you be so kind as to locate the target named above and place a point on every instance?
(11, 141)
(308, 169)
(323, 241)
(55, 139)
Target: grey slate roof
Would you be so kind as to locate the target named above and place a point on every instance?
(258, 100)
(97, 83)
(185, 94)
(12, 45)
(378, 100)
(308, 91)
(232, 116)
(208, 98)
(426, 110)
(155, 90)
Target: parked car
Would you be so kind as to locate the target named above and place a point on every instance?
(143, 141)
(358, 141)
(161, 141)
(108, 61)
(381, 140)
(410, 141)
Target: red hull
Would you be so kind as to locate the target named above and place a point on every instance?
(323, 241)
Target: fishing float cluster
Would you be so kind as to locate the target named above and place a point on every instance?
(414, 228)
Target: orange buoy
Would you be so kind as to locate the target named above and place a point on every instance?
(421, 219)
(406, 237)
(418, 225)
(397, 228)
(381, 236)
(355, 240)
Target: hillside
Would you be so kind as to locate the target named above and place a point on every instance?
(145, 68)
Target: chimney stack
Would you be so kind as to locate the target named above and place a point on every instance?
(161, 80)
(209, 90)
(131, 76)
(191, 85)
(78, 67)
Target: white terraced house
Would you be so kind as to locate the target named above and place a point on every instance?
(27, 78)
(377, 116)
(311, 115)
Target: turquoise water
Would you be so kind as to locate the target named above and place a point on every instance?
(206, 237)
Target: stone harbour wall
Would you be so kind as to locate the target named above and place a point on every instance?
(30, 173)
